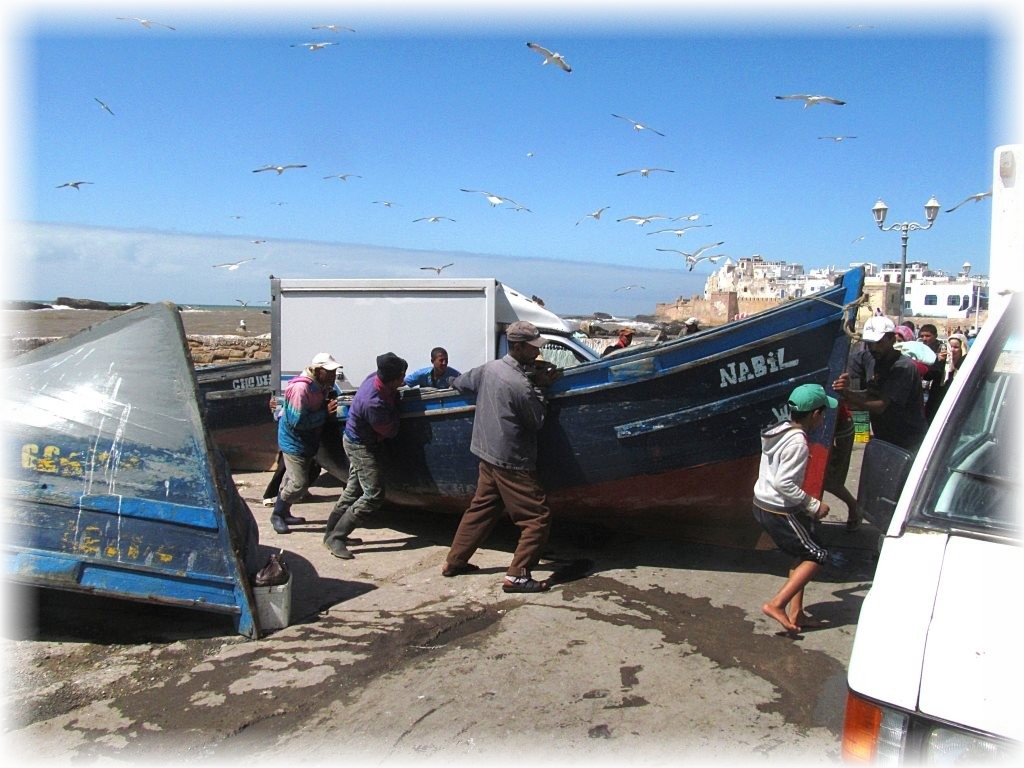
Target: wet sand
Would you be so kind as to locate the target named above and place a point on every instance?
(41, 323)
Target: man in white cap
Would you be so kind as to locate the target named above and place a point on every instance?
(308, 403)
(690, 325)
(510, 410)
(892, 393)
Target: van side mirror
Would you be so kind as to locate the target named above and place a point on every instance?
(883, 473)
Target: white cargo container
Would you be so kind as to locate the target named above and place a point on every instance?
(936, 672)
(358, 319)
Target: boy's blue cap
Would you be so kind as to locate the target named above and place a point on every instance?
(810, 397)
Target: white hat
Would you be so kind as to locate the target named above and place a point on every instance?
(691, 321)
(876, 327)
(326, 361)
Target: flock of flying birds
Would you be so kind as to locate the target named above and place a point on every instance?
(691, 258)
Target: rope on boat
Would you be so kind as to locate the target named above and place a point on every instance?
(854, 305)
(862, 299)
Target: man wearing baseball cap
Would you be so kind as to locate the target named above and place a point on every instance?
(625, 339)
(892, 394)
(510, 410)
(305, 410)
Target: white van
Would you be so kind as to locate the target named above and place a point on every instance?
(937, 669)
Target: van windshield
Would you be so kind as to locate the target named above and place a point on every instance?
(973, 480)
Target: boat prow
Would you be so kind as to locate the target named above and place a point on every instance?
(113, 484)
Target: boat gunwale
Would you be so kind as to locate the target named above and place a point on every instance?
(648, 353)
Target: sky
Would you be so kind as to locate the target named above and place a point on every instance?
(419, 103)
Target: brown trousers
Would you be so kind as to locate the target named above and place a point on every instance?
(515, 492)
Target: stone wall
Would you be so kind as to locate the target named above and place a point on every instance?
(721, 308)
(212, 350)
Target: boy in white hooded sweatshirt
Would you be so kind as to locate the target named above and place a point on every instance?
(784, 509)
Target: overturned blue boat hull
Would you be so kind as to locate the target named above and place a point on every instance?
(659, 438)
(113, 484)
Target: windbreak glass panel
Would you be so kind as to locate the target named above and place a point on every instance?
(974, 478)
(560, 355)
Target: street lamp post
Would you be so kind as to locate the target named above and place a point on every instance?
(931, 211)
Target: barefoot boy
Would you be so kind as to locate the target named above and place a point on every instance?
(782, 507)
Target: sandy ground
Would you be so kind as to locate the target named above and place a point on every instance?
(658, 654)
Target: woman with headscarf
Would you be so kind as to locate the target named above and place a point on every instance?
(956, 350)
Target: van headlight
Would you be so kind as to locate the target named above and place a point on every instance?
(950, 746)
(881, 735)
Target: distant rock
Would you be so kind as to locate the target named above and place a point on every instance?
(25, 305)
(64, 301)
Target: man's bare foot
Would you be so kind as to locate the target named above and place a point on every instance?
(801, 620)
(780, 616)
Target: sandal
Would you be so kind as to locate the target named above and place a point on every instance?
(526, 585)
(450, 570)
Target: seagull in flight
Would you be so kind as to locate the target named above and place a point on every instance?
(810, 101)
(279, 168)
(595, 215)
(517, 207)
(678, 232)
(433, 219)
(976, 197)
(493, 199)
(438, 269)
(629, 288)
(857, 239)
(691, 263)
(75, 184)
(385, 203)
(257, 242)
(104, 106)
(837, 139)
(313, 46)
(333, 27)
(231, 266)
(689, 217)
(243, 303)
(645, 172)
(344, 176)
(637, 126)
(549, 57)
(147, 23)
(642, 220)
(693, 259)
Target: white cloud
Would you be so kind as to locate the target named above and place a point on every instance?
(126, 266)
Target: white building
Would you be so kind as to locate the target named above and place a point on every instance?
(754, 278)
(927, 293)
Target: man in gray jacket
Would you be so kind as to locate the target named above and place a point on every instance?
(510, 410)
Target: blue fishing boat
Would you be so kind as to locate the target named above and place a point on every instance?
(662, 437)
(113, 484)
(234, 398)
